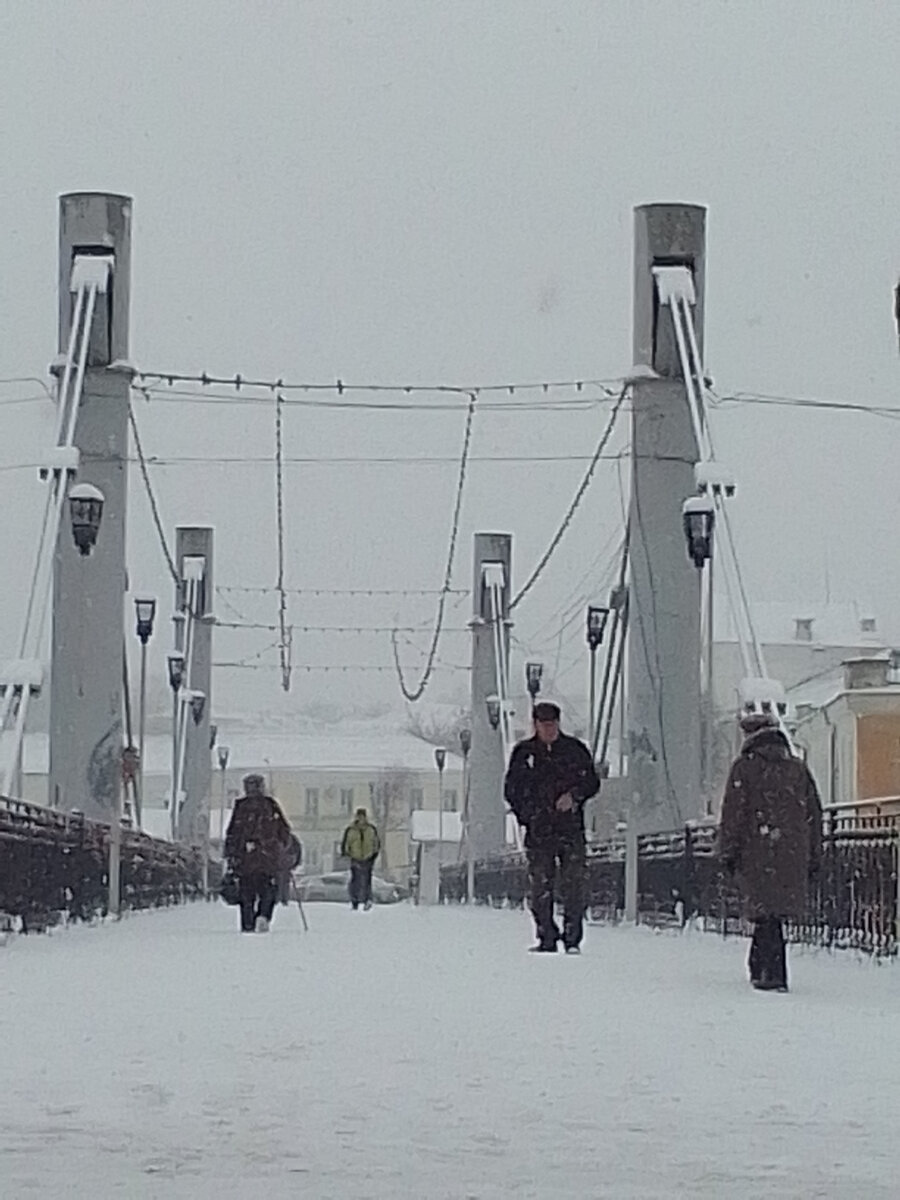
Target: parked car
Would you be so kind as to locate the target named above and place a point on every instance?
(334, 887)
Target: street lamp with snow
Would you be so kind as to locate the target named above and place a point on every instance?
(86, 513)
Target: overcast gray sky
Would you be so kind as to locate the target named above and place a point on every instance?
(428, 192)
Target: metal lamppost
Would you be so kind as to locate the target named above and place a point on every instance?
(699, 518)
(175, 664)
(224, 752)
(145, 615)
(440, 761)
(465, 745)
(597, 617)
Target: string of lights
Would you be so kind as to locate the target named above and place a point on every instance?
(261, 590)
(148, 379)
(254, 626)
(327, 668)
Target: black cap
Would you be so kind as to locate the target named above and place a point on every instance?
(545, 711)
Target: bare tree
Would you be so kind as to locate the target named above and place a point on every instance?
(438, 729)
(390, 804)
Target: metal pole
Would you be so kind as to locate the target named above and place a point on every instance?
(592, 702)
(440, 823)
(174, 798)
(142, 728)
(222, 812)
(710, 730)
(115, 862)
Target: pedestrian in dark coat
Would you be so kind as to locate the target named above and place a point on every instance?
(550, 777)
(770, 839)
(256, 843)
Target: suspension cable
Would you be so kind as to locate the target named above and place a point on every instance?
(416, 693)
(576, 501)
(284, 642)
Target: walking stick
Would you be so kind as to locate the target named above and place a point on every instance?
(296, 892)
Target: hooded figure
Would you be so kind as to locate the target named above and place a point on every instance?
(770, 840)
(256, 845)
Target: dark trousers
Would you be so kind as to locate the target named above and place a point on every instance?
(258, 893)
(361, 882)
(543, 858)
(768, 958)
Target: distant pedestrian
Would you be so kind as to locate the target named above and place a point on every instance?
(361, 845)
(550, 777)
(770, 839)
(256, 845)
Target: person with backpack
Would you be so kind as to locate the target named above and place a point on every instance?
(258, 844)
(361, 845)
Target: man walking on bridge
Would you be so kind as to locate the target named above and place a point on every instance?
(550, 777)
(362, 846)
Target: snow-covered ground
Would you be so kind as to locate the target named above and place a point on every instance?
(423, 1054)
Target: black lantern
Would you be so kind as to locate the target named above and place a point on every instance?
(86, 512)
(699, 519)
(493, 710)
(224, 754)
(213, 734)
(198, 706)
(597, 617)
(145, 612)
(534, 673)
(176, 670)
(465, 742)
(440, 758)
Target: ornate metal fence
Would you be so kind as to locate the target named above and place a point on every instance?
(852, 904)
(53, 868)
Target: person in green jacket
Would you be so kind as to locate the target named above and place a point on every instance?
(362, 846)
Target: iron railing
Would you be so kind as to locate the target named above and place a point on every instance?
(852, 904)
(54, 867)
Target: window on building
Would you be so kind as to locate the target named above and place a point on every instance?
(416, 799)
(346, 800)
(451, 800)
(312, 802)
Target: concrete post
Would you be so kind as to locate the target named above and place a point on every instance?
(487, 809)
(86, 697)
(197, 542)
(664, 712)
